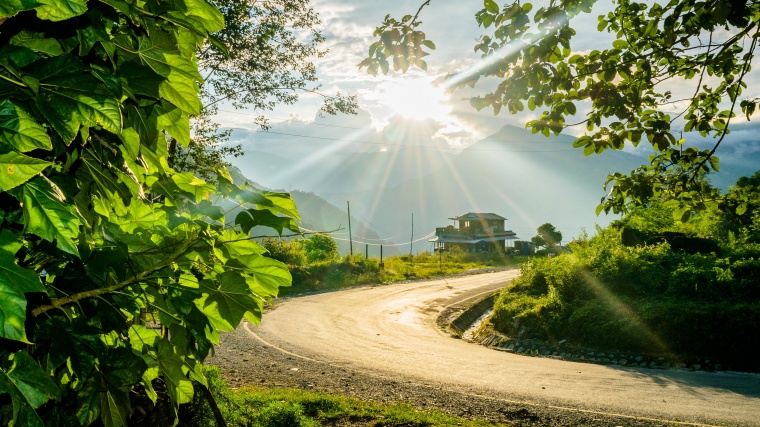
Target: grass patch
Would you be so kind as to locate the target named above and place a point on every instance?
(357, 270)
(259, 407)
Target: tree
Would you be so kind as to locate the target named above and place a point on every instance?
(655, 51)
(291, 253)
(263, 58)
(547, 236)
(96, 228)
(320, 247)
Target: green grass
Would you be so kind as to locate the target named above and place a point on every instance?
(647, 299)
(260, 407)
(356, 270)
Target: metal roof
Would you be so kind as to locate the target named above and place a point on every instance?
(472, 216)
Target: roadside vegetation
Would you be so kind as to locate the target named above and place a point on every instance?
(316, 265)
(650, 297)
(254, 407)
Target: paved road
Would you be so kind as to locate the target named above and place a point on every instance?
(391, 330)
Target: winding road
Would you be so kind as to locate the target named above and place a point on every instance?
(391, 330)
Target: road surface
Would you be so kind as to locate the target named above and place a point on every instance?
(391, 330)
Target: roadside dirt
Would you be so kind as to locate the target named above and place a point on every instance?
(248, 362)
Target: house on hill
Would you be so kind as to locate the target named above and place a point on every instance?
(477, 232)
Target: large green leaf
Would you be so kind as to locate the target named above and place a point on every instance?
(113, 407)
(141, 216)
(14, 282)
(23, 279)
(253, 217)
(29, 387)
(12, 308)
(60, 10)
(229, 300)
(70, 98)
(182, 92)
(78, 345)
(19, 130)
(265, 275)
(9, 8)
(16, 169)
(205, 15)
(48, 214)
(170, 363)
(37, 42)
(193, 185)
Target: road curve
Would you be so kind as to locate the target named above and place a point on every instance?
(391, 330)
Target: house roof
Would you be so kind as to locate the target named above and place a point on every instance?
(472, 216)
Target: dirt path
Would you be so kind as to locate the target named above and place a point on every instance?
(382, 343)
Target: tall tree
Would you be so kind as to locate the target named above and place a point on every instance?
(655, 51)
(263, 58)
(547, 236)
(96, 228)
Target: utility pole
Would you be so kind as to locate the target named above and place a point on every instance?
(411, 239)
(350, 237)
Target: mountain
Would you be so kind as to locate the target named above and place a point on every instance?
(526, 178)
(529, 179)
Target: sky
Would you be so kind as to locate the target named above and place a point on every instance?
(445, 119)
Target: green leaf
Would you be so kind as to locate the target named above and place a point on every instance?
(19, 130)
(429, 44)
(9, 8)
(29, 387)
(48, 214)
(88, 403)
(267, 275)
(16, 169)
(12, 306)
(78, 345)
(228, 300)
(69, 99)
(170, 364)
(22, 279)
(253, 217)
(491, 6)
(37, 42)
(60, 10)
(193, 185)
(141, 215)
(113, 408)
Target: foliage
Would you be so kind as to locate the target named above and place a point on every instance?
(356, 270)
(291, 252)
(97, 229)
(647, 299)
(320, 247)
(547, 236)
(703, 48)
(250, 406)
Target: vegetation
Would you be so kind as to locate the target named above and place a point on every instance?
(97, 228)
(547, 236)
(688, 56)
(315, 264)
(649, 298)
(299, 408)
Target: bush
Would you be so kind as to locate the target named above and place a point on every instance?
(649, 299)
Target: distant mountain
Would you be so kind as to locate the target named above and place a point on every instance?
(317, 214)
(527, 178)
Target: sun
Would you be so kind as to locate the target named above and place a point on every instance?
(415, 98)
